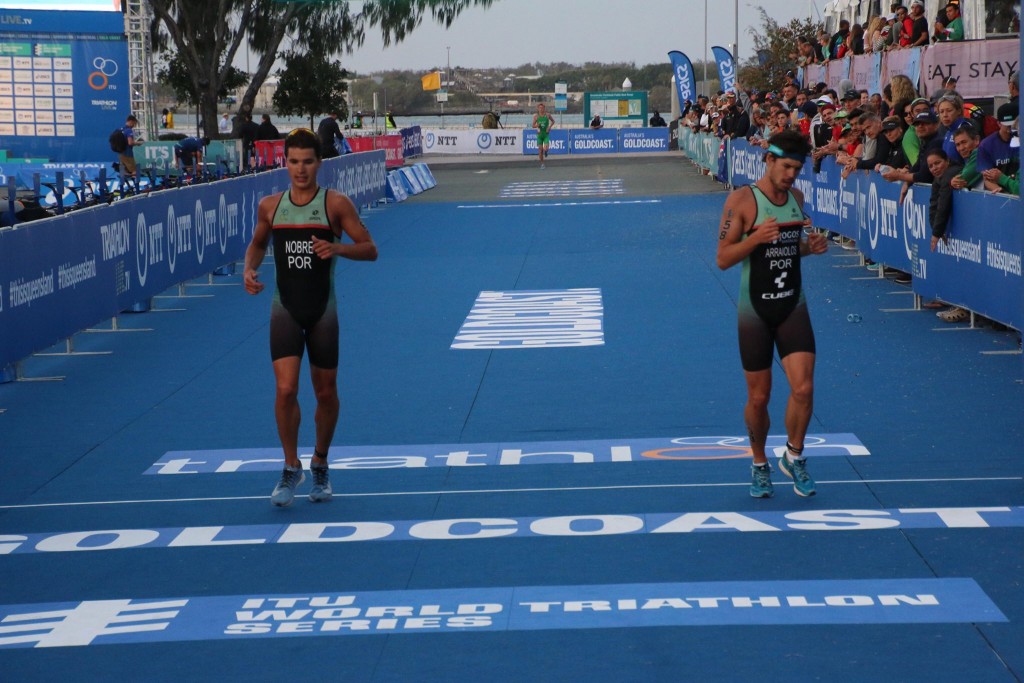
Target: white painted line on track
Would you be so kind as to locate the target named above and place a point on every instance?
(375, 494)
(511, 205)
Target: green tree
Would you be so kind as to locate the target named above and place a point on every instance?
(777, 44)
(207, 34)
(175, 75)
(310, 84)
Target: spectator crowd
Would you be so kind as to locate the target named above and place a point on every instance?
(940, 140)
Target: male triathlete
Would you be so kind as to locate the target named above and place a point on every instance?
(762, 227)
(303, 223)
(543, 123)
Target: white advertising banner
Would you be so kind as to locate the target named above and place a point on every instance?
(476, 141)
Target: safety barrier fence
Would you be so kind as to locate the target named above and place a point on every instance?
(978, 268)
(64, 274)
(560, 141)
(982, 67)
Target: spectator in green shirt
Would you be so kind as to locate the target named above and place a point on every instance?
(966, 139)
(954, 30)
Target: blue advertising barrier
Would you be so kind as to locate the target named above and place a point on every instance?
(395, 187)
(422, 172)
(558, 142)
(63, 274)
(412, 142)
(979, 267)
(593, 141)
(643, 139)
(412, 182)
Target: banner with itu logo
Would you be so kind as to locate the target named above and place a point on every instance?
(491, 141)
(63, 274)
(63, 83)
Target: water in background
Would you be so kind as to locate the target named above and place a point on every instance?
(186, 124)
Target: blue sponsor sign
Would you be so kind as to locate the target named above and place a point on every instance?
(501, 608)
(504, 454)
(593, 141)
(686, 85)
(643, 139)
(726, 67)
(558, 141)
(412, 142)
(63, 274)
(69, 83)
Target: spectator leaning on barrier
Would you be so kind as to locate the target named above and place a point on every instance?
(950, 108)
(249, 131)
(838, 39)
(656, 121)
(926, 127)
(940, 210)
(911, 143)
(873, 40)
(953, 30)
(919, 24)
(876, 146)
(892, 130)
(597, 124)
(999, 153)
(966, 139)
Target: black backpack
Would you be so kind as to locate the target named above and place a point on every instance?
(118, 141)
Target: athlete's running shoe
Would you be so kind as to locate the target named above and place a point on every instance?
(761, 481)
(284, 492)
(796, 470)
(321, 491)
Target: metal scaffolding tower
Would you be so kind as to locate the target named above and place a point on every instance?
(137, 19)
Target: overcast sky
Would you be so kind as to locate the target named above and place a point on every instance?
(514, 32)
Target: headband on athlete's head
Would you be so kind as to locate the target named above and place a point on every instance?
(775, 150)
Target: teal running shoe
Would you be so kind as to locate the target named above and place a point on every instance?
(284, 492)
(321, 491)
(761, 482)
(797, 471)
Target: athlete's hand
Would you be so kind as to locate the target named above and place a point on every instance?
(817, 243)
(767, 232)
(323, 248)
(252, 282)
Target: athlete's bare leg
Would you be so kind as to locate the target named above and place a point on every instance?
(286, 407)
(325, 386)
(799, 367)
(755, 413)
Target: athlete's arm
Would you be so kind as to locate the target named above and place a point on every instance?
(738, 216)
(815, 242)
(534, 124)
(260, 241)
(345, 219)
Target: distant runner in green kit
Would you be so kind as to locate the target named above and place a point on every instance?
(543, 123)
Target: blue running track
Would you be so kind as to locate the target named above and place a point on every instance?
(523, 513)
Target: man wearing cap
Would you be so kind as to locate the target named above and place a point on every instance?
(824, 134)
(998, 157)
(919, 25)
(851, 100)
(736, 123)
(911, 144)
(926, 127)
(892, 131)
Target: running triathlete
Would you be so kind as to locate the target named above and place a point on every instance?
(543, 123)
(762, 227)
(303, 223)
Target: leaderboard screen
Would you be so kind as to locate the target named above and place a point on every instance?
(63, 80)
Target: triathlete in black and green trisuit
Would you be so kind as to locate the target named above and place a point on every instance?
(772, 310)
(303, 312)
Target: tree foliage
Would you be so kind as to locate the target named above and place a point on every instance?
(207, 34)
(310, 84)
(777, 43)
(175, 75)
